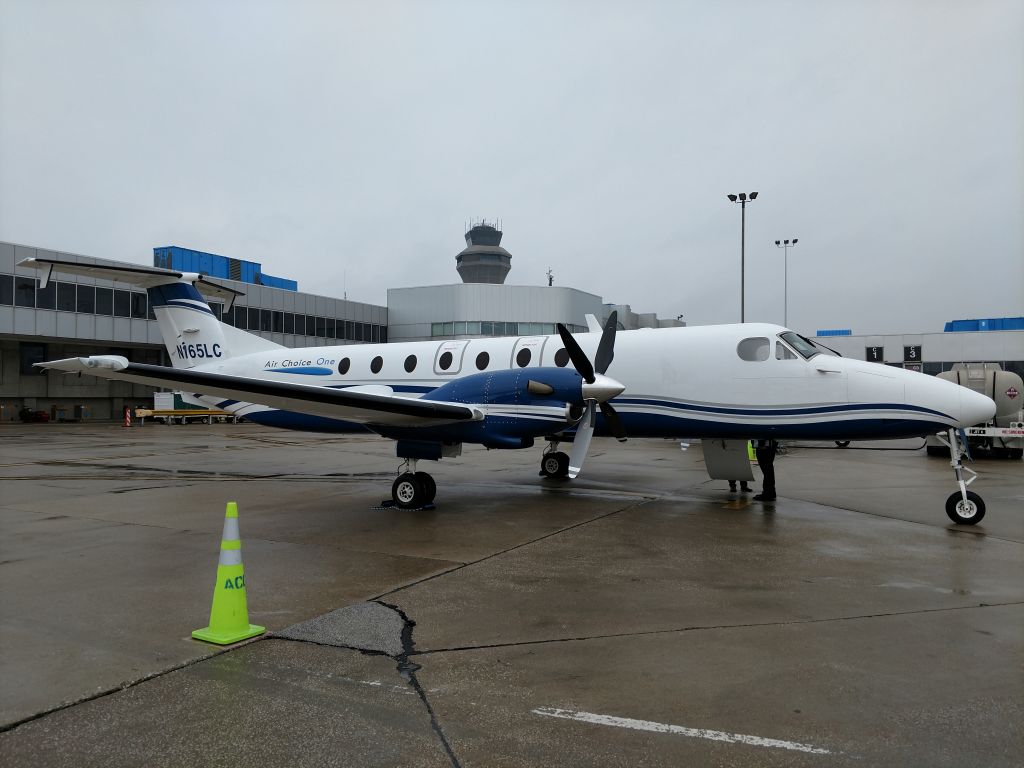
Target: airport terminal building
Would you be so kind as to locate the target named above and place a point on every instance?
(76, 316)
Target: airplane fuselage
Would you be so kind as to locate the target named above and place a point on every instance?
(733, 381)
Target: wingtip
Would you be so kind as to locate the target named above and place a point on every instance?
(85, 364)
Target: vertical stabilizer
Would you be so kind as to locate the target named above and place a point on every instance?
(191, 330)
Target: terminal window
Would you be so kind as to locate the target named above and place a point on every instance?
(46, 298)
(122, 304)
(24, 292)
(104, 301)
(66, 297)
(86, 299)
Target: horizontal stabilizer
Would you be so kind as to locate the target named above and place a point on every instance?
(143, 277)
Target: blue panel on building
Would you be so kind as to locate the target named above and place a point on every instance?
(279, 282)
(835, 332)
(988, 324)
(214, 265)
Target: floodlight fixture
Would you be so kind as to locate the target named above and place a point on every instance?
(742, 199)
(785, 245)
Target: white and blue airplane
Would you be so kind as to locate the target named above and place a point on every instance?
(724, 384)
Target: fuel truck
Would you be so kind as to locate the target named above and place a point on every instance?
(1004, 435)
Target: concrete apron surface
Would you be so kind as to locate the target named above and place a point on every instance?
(640, 615)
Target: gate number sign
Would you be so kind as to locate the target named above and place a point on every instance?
(912, 354)
(875, 354)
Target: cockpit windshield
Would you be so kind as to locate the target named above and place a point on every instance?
(805, 347)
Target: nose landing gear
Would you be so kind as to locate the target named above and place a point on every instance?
(963, 507)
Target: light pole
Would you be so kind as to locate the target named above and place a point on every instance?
(741, 198)
(785, 245)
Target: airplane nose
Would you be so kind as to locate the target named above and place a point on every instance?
(975, 408)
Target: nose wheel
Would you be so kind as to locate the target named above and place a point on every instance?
(965, 509)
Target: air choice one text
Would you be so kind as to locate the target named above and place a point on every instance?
(298, 363)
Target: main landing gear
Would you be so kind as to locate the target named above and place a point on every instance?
(963, 507)
(554, 463)
(412, 489)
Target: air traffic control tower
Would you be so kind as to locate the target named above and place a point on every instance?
(483, 260)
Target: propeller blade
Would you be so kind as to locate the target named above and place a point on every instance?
(613, 421)
(580, 443)
(578, 357)
(606, 349)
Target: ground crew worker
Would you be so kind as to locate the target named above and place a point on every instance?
(764, 451)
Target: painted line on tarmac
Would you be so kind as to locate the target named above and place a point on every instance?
(697, 733)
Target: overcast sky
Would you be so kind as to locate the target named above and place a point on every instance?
(345, 144)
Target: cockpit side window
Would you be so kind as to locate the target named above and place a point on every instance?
(754, 349)
(805, 347)
(782, 352)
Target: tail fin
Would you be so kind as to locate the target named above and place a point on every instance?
(192, 332)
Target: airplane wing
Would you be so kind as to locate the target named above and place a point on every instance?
(360, 407)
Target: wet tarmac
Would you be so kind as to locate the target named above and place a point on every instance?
(640, 615)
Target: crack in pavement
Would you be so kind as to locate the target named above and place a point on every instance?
(706, 627)
(374, 628)
(408, 669)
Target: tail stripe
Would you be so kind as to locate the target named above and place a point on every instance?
(162, 295)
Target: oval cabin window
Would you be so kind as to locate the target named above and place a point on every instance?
(523, 358)
(344, 365)
(444, 362)
(482, 360)
(561, 358)
(410, 363)
(754, 349)
(377, 364)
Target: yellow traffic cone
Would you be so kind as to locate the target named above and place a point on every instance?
(229, 616)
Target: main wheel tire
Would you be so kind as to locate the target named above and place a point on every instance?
(428, 485)
(555, 464)
(842, 443)
(549, 465)
(937, 450)
(407, 491)
(967, 512)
